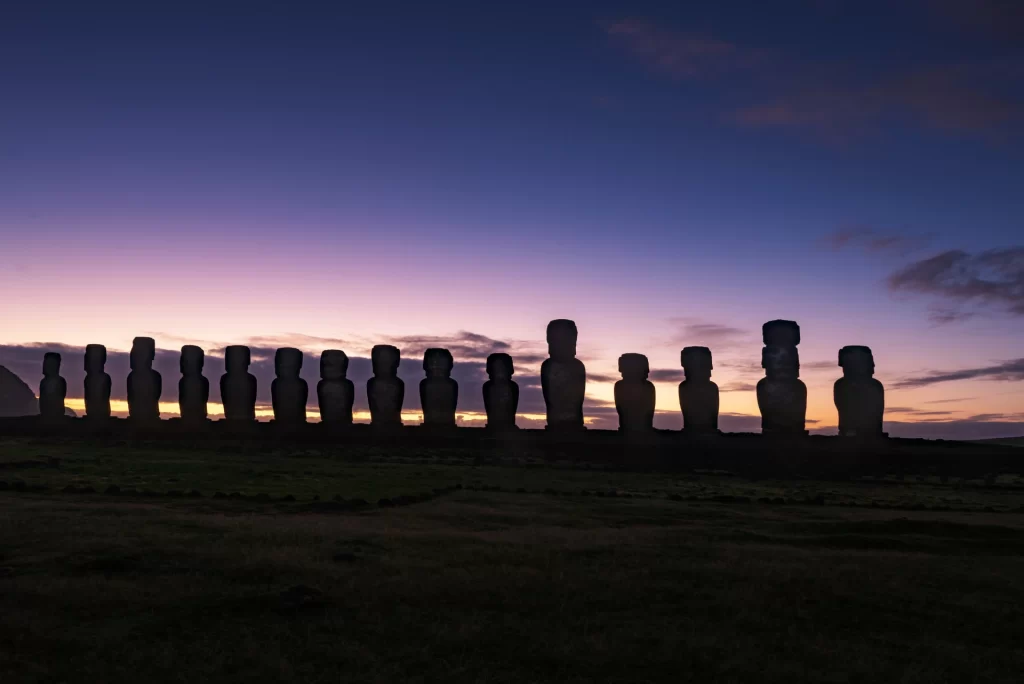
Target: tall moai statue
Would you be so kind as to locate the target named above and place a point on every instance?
(289, 392)
(53, 389)
(634, 394)
(238, 385)
(439, 394)
(144, 383)
(698, 394)
(193, 388)
(97, 383)
(563, 377)
(781, 396)
(385, 391)
(501, 393)
(859, 397)
(335, 392)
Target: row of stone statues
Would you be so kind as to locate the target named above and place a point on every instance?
(781, 396)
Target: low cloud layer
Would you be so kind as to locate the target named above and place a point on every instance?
(1007, 371)
(992, 278)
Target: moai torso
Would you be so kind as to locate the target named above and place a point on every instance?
(634, 394)
(335, 392)
(563, 377)
(144, 383)
(501, 393)
(781, 396)
(859, 398)
(289, 392)
(385, 391)
(698, 395)
(53, 389)
(193, 388)
(439, 394)
(238, 385)
(97, 383)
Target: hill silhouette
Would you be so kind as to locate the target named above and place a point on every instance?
(16, 397)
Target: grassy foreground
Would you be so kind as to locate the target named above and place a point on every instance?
(552, 578)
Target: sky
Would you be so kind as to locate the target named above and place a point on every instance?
(666, 174)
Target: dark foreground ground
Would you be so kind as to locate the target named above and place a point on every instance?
(562, 574)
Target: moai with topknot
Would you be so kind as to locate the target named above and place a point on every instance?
(501, 393)
(289, 392)
(698, 395)
(385, 391)
(563, 378)
(859, 397)
(238, 385)
(193, 388)
(97, 383)
(781, 396)
(53, 389)
(144, 383)
(634, 394)
(335, 392)
(439, 394)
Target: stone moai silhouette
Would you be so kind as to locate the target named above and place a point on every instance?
(439, 394)
(698, 395)
(859, 397)
(97, 383)
(335, 393)
(563, 377)
(781, 396)
(53, 389)
(634, 394)
(193, 388)
(501, 393)
(144, 383)
(385, 391)
(289, 392)
(238, 385)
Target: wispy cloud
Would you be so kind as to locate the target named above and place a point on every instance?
(1007, 371)
(873, 241)
(717, 336)
(994, 277)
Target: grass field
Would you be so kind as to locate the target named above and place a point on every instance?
(300, 567)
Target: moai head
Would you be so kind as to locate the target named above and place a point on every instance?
(438, 363)
(237, 359)
(499, 366)
(634, 367)
(780, 362)
(143, 353)
(333, 364)
(781, 333)
(51, 364)
(192, 360)
(287, 362)
(857, 361)
(385, 359)
(95, 358)
(696, 363)
(562, 336)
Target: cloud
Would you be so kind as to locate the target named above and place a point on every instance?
(1007, 371)
(994, 277)
(738, 387)
(872, 241)
(666, 375)
(943, 315)
(955, 429)
(997, 19)
(717, 336)
(916, 413)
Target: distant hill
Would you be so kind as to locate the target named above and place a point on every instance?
(16, 398)
(1001, 441)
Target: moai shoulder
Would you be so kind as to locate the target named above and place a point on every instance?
(97, 383)
(53, 389)
(385, 391)
(193, 387)
(144, 383)
(439, 394)
(698, 395)
(289, 392)
(635, 394)
(335, 392)
(563, 377)
(501, 393)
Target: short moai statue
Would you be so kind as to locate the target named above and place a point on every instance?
(238, 385)
(144, 383)
(385, 391)
(289, 392)
(781, 396)
(335, 392)
(193, 388)
(439, 394)
(52, 389)
(501, 393)
(698, 394)
(634, 394)
(97, 383)
(563, 378)
(859, 397)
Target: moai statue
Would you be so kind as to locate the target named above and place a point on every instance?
(698, 395)
(289, 392)
(439, 394)
(238, 385)
(335, 392)
(634, 394)
(563, 378)
(97, 383)
(501, 393)
(144, 383)
(53, 389)
(385, 390)
(859, 397)
(193, 388)
(781, 396)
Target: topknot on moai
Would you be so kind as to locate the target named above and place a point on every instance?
(193, 387)
(385, 391)
(288, 391)
(53, 389)
(501, 393)
(335, 392)
(859, 397)
(698, 395)
(563, 377)
(97, 383)
(635, 394)
(238, 385)
(781, 396)
(439, 394)
(780, 333)
(144, 383)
